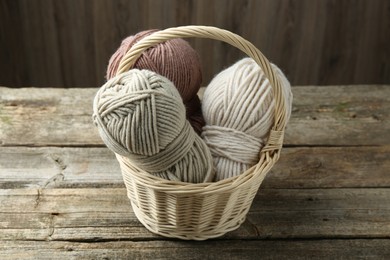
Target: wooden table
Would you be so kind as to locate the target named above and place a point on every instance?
(62, 194)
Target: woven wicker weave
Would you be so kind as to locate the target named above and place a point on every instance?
(206, 210)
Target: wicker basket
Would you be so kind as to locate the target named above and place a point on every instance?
(207, 210)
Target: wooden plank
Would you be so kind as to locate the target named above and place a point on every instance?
(105, 214)
(49, 167)
(300, 167)
(330, 167)
(334, 115)
(68, 43)
(340, 115)
(279, 249)
(47, 117)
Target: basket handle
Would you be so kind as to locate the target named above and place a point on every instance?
(235, 40)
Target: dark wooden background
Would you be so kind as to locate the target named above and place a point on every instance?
(68, 43)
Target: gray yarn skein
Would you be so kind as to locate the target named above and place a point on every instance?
(140, 115)
(238, 108)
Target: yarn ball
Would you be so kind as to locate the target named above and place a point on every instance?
(140, 115)
(238, 107)
(174, 59)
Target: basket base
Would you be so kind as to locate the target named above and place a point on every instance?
(172, 231)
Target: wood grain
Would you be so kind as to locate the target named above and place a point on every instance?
(333, 115)
(105, 214)
(62, 194)
(298, 168)
(68, 43)
(235, 250)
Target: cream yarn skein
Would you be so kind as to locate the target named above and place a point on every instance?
(238, 107)
(140, 115)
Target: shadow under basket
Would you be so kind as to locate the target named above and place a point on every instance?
(204, 210)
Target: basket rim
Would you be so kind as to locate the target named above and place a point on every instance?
(227, 185)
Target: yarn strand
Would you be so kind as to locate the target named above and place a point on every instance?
(174, 59)
(140, 116)
(239, 107)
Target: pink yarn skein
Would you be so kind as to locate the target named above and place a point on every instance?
(174, 59)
